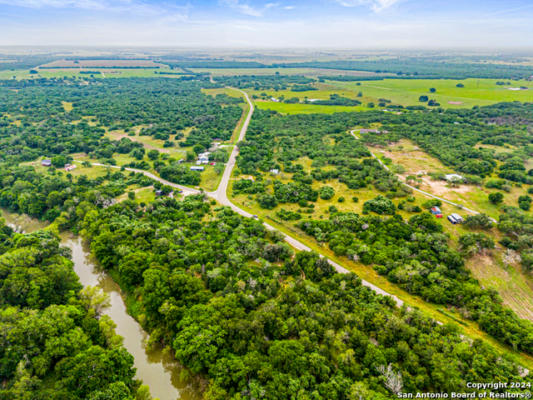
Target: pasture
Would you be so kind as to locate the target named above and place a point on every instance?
(407, 91)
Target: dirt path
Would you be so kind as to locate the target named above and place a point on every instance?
(352, 132)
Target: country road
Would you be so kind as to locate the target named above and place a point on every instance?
(220, 195)
(421, 191)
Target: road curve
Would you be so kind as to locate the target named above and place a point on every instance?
(421, 191)
(220, 195)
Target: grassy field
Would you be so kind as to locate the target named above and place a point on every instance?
(73, 72)
(285, 108)
(507, 278)
(407, 91)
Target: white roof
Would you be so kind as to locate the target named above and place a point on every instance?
(453, 176)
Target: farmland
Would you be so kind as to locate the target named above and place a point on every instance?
(189, 266)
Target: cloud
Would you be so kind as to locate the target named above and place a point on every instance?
(247, 9)
(375, 5)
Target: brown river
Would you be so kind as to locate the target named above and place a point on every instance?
(167, 379)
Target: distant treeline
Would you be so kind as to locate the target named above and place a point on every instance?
(8, 62)
(422, 68)
(217, 64)
(98, 66)
(351, 78)
(403, 67)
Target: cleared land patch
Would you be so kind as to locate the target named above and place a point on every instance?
(515, 289)
(408, 91)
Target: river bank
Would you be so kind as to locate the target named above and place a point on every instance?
(157, 368)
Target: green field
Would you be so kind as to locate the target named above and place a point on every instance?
(73, 72)
(407, 91)
(285, 108)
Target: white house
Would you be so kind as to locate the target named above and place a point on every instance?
(203, 158)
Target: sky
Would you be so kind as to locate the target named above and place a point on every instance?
(335, 24)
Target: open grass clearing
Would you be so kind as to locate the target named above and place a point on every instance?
(407, 91)
(508, 279)
(285, 108)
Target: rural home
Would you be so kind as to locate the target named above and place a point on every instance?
(195, 168)
(46, 163)
(69, 167)
(203, 158)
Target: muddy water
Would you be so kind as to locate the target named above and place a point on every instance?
(156, 368)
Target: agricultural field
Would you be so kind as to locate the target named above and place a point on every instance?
(104, 63)
(475, 91)
(310, 108)
(77, 73)
(405, 92)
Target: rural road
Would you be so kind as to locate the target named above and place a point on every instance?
(220, 195)
(421, 191)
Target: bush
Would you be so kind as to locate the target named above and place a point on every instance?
(379, 205)
(431, 203)
(326, 192)
(267, 201)
(478, 221)
(496, 198)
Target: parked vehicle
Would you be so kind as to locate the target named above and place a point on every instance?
(455, 218)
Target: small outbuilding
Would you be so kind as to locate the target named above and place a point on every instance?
(453, 177)
(46, 163)
(196, 168)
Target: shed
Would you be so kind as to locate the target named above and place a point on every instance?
(46, 163)
(453, 177)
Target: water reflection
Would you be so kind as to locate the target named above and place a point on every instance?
(155, 367)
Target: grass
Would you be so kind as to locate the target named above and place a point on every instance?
(67, 106)
(508, 279)
(305, 108)
(73, 72)
(513, 284)
(210, 179)
(142, 195)
(407, 91)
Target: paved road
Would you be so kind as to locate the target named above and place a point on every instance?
(421, 191)
(220, 195)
